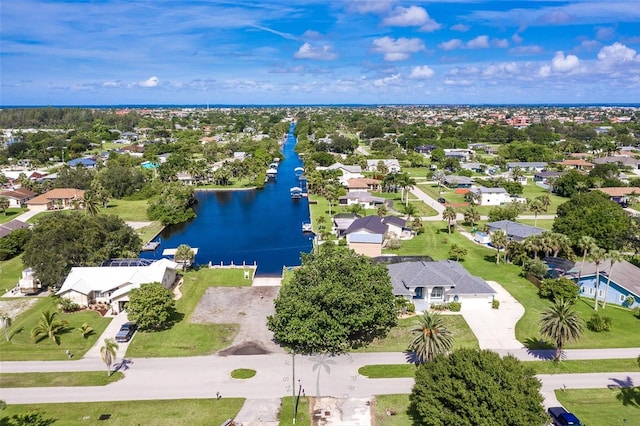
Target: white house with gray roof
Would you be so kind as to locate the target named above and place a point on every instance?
(348, 171)
(491, 196)
(426, 283)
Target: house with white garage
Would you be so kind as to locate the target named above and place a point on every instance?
(491, 196)
(426, 283)
(392, 165)
(366, 235)
(112, 283)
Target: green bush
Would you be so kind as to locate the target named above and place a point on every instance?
(559, 288)
(455, 306)
(536, 267)
(67, 305)
(636, 311)
(598, 323)
(438, 307)
(495, 304)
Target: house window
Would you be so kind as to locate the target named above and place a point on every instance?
(437, 293)
(583, 289)
(600, 293)
(418, 293)
(592, 291)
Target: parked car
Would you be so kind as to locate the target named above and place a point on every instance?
(442, 200)
(562, 417)
(126, 332)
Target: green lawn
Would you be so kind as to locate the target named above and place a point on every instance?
(128, 210)
(21, 347)
(601, 407)
(243, 373)
(303, 417)
(480, 261)
(67, 378)
(186, 338)
(391, 410)
(10, 273)
(400, 336)
(189, 412)
(540, 223)
(11, 214)
(385, 371)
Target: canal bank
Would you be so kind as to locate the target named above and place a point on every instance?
(261, 226)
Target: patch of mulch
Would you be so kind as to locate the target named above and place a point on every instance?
(246, 348)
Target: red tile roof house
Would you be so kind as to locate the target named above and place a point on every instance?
(18, 197)
(576, 164)
(364, 184)
(59, 198)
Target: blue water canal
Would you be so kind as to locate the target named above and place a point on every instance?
(262, 226)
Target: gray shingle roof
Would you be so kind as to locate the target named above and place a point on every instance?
(446, 273)
(515, 229)
(371, 224)
(624, 274)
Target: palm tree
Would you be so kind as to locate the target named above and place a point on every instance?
(449, 214)
(382, 211)
(184, 254)
(4, 204)
(410, 210)
(48, 326)
(91, 203)
(108, 353)
(598, 255)
(585, 243)
(516, 173)
(614, 257)
(321, 362)
(545, 200)
(471, 215)
(536, 207)
(562, 324)
(432, 338)
(498, 240)
(5, 322)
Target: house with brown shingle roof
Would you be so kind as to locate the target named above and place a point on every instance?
(576, 164)
(56, 199)
(364, 184)
(621, 194)
(18, 197)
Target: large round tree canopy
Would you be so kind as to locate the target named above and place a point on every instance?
(336, 301)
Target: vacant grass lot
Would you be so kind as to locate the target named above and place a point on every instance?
(480, 261)
(186, 338)
(601, 407)
(204, 412)
(400, 336)
(303, 417)
(10, 272)
(67, 378)
(21, 347)
(128, 210)
(397, 406)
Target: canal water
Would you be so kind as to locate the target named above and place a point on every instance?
(262, 226)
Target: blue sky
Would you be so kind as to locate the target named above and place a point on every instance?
(77, 52)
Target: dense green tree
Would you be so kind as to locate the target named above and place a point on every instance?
(561, 323)
(78, 177)
(14, 243)
(456, 252)
(570, 183)
(432, 338)
(4, 204)
(472, 215)
(151, 306)
(121, 178)
(60, 241)
(175, 204)
(559, 288)
(322, 309)
(593, 214)
(473, 387)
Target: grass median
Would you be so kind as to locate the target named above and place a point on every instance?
(603, 407)
(66, 378)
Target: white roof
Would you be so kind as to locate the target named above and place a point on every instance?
(103, 278)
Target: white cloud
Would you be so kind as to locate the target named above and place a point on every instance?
(422, 72)
(397, 50)
(500, 43)
(460, 28)
(531, 49)
(508, 68)
(616, 54)
(412, 16)
(545, 71)
(370, 6)
(111, 84)
(307, 51)
(150, 82)
(382, 82)
(311, 34)
(564, 64)
(516, 38)
(451, 44)
(480, 42)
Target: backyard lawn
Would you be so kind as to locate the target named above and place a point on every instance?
(21, 347)
(10, 273)
(203, 412)
(391, 410)
(400, 336)
(185, 338)
(480, 261)
(601, 407)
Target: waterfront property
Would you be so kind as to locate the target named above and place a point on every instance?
(59, 198)
(366, 235)
(431, 283)
(112, 283)
(625, 281)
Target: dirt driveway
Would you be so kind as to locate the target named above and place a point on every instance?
(247, 306)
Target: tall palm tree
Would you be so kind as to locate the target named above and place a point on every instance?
(5, 322)
(48, 326)
(4, 204)
(432, 338)
(585, 243)
(108, 353)
(471, 215)
(499, 240)
(614, 257)
(91, 203)
(536, 207)
(449, 214)
(410, 210)
(561, 323)
(545, 200)
(321, 362)
(598, 255)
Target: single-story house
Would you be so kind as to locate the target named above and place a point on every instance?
(9, 227)
(625, 281)
(527, 166)
(620, 160)
(365, 199)
(342, 222)
(453, 181)
(364, 184)
(112, 284)
(576, 164)
(425, 149)
(491, 196)
(348, 171)
(474, 167)
(622, 194)
(460, 154)
(18, 197)
(58, 198)
(426, 283)
(87, 163)
(515, 231)
(365, 235)
(392, 164)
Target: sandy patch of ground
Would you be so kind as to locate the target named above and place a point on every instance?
(14, 307)
(247, 306)
(139, 225)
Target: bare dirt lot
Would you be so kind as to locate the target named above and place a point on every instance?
(14, 307)
(247, 306)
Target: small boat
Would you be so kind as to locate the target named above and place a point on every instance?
(299, 171)
(296, 193)
(307, 227)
